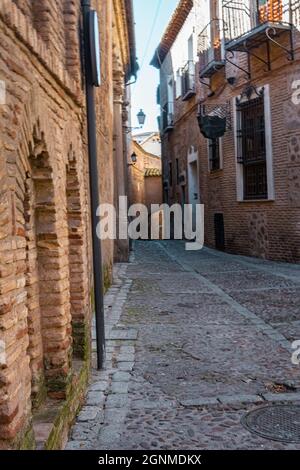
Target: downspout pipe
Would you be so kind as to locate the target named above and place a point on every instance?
(94, 188)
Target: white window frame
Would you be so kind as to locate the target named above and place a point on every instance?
(178, 84)
(170, 84)
(269, 150)
(191, 48)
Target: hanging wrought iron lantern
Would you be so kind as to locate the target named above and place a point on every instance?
(212, 127)
(213, 120)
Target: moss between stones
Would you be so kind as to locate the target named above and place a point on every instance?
(25, 439)
(58, 383)
(81, 340)
(40, 395)
(28, 441)
(69, 409)
(66, 411)
(75, 384)
(107, 280)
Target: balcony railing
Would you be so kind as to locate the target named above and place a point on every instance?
(250, 24)
(210, 49)
(188, 80)
(168, 117)
(243, 16)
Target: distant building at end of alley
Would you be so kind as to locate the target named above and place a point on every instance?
(145, 174)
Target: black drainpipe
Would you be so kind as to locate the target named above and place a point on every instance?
(94, 189)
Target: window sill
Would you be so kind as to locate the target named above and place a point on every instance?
(249, 201)
(190, 94)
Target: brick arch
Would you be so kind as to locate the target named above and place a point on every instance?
(32, 206)
(77, 254)
(46, 272)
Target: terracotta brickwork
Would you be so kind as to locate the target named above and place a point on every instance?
(265, 228)
(46, 281)
(145, 182)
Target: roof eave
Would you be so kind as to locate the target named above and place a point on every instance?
(177, 21)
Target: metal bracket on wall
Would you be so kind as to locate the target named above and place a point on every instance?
(290, 52)
(250, 53)
(266, 37)
(230, 61)
(208, 86)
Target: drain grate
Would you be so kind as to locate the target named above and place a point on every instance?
(275, 422)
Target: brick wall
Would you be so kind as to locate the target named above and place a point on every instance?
(268, 229)
(145, 188)
(45, 243)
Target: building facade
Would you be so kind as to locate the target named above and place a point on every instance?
(150, 141)
(145, 172)
(46, 282)
(230, 121)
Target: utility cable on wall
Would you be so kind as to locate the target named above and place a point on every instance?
(151, 32)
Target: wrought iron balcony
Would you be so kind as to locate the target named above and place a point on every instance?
(249, 24)
(210, 49)
(168, 117)
(188, 80)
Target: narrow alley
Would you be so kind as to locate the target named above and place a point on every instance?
(194, 342)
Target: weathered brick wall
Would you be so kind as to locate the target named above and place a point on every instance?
(144, 189)
(40, 127)
(267, 229)
(45, 247)
(153, 191)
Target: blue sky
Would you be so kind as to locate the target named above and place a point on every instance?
(148, 35)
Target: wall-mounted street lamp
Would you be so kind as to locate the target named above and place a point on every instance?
(133, 159)
(141, 117)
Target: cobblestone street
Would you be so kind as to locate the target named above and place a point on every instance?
(194, 341)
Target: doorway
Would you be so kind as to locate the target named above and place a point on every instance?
(219, 232)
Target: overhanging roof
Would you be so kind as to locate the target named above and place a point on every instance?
(152, 172)
(177, 21)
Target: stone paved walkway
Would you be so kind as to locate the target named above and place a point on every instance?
(195, 340)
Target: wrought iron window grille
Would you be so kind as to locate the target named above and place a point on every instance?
(251, 140)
